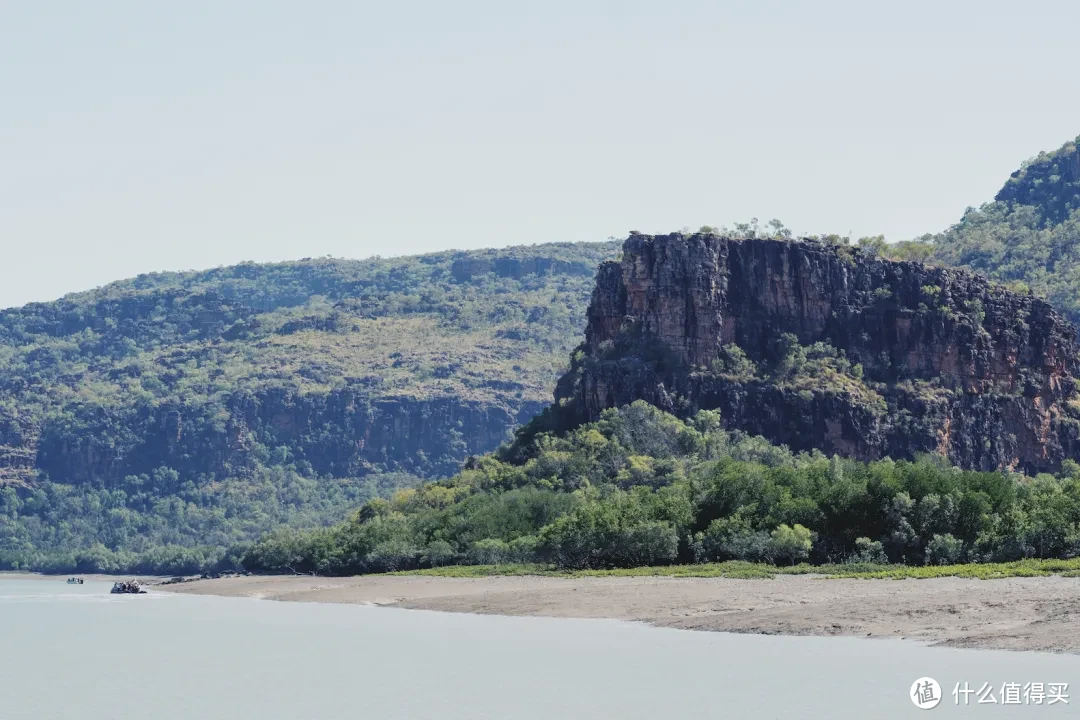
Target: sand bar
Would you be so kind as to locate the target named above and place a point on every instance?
(1041, 613)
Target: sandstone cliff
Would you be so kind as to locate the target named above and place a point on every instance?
(824, 347)
(341, 434)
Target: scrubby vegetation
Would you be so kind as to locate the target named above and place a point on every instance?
(176, 414)
(1029, 236)
(642, 488)
(820, 367)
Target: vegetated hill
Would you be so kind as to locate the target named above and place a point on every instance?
(206, 407)
(819, 346)
(1030, 234)
(702, 349)
(202, 408)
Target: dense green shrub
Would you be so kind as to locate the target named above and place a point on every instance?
(437, 553)
(790, 544)
(870, 552)
(944, 550)
(640, 487)
(488, 551)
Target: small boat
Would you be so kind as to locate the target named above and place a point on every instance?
(75, 581)
(130, 587)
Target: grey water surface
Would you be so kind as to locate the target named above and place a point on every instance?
(77, 652)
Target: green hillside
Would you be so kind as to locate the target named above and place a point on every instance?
(204, 408)
(1030, 234)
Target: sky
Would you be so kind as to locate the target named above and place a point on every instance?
(148, 135)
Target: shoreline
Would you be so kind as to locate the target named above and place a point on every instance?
(1018, 613)
(89, 577)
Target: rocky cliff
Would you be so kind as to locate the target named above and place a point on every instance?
(825, 347)
(343, 434)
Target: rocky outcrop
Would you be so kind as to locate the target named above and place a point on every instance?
(18, 447)
(342, 434)
(844, 352)
(464, 269)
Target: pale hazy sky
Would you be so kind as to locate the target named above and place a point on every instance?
(144, 135)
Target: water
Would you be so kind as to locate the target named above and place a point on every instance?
(77, 652)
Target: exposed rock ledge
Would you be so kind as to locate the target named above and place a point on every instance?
(948, 362)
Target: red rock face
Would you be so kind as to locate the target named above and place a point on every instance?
(950, 362)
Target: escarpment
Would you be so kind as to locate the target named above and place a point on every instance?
(824, 347)
(341, 434)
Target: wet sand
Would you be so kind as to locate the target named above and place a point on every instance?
(1014, 614)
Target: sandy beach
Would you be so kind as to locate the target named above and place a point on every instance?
(1040, 613)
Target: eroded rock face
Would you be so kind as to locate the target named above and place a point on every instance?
(931, 359)
(341, 434)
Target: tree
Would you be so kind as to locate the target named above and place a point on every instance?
(489, 551)
(523, 549)
(437, 553)
(791, 543)
(391, 556)
(777, 229)
(944, 550)
(874, 246)
(652, 543)
(869, 551)
(914, 250)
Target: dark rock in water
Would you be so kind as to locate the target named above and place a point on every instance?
(836, 350)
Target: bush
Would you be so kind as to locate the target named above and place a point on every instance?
(944, 550)
(732, 539)
(748, 545)
(869, 551)
(523, 549)
(653, 543)
(790, 544)
(392, 556)
(437, 553)
(733, 361)
(488, 552)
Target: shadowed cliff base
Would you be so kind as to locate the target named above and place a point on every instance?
(820, 346)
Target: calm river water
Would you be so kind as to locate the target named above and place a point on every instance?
(77, 652)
